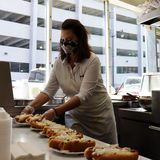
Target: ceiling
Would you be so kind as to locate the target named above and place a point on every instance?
(134, 2)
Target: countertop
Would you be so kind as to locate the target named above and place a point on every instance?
(24, 134)
(136, 114)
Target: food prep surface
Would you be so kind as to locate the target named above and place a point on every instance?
(25, 134)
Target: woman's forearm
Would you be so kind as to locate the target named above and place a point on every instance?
(70, 104)
(41, 99)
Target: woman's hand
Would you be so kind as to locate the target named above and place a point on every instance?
(49, 115)
(28, 110)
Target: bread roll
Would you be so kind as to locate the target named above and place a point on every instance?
(36, 117)
(40, 124)
(110, 153)
(70, 143)
(22, 118)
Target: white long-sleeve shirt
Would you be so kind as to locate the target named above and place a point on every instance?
(85, 81)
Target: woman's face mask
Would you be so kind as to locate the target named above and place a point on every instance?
(68, 46)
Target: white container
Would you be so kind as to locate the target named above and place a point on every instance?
(5, 135)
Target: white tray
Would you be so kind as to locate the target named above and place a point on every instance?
(65, 151)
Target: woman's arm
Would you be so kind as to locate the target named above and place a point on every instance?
(87, 89)
(41, 99)
(36, 103)
(69, 105)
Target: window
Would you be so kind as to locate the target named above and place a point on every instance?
(14, 67)
(144, 54)
(123, 70)
(131, 81)
(40, 76)
(55, 46)
(126, 19)
(41, 2)
(19, 67)
(95, 31)
(128, 53)
(56, 25)
(125, 35)
(24, 67)
(143, 38)
(64, 5)
(103, 69)
(41, 45)
(40, 22)
(144, 69)
(37, 76)
(14, 42)
(14, 17)
(98, 50)
(40, 65)
(93, 12)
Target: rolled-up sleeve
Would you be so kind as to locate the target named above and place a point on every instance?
(90, 80)
(52, 85)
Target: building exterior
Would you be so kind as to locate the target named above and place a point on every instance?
(128, 45)
(23, 35)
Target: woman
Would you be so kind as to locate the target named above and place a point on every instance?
(78, 72)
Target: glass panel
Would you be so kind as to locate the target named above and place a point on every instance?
(92, 11)
(123, 70)
(24, 67)
(145, 84)
(125, 35)
(37, 76)
(133, 81)
(32, 76)
(158, 48)
(155, 83)
(40, 76)
(14, 67)
(64, 5)
(127, 52)
(126, 19)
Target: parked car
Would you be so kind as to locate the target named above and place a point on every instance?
(131, 85)
(28, 89)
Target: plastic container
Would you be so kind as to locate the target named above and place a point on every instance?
(5, 135)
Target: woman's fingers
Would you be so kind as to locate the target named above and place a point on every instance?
(49, 115)
(28, 110)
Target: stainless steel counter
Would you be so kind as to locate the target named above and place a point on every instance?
(27, 135)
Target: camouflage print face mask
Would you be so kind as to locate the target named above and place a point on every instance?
(68, 46)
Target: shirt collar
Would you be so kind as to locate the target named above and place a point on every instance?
(65, 62)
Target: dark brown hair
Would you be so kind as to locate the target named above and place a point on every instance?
(83, 51)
